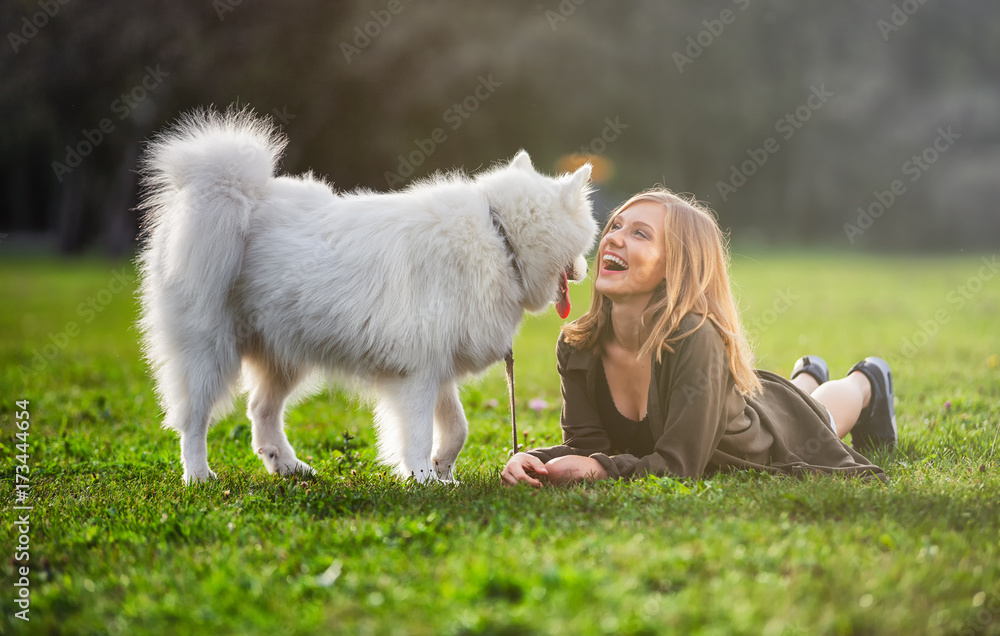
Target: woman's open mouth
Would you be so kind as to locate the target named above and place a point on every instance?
(611, 263)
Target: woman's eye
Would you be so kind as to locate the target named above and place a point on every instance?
(641, 234)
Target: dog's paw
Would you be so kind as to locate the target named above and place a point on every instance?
(443, 471)
(299, 468)
(283, 462)
(198, 476)
(421, 476)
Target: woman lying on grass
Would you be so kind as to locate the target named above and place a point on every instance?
(657, 376)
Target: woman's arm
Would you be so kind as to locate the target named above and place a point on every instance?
(582, 435)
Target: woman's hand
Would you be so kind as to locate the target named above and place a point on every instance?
(561, 470)
(521, 467)
(570, 468)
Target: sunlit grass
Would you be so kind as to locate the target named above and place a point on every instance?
(119, 545)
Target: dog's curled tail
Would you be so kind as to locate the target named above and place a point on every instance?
(202, 179)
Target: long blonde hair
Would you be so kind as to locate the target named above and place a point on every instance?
(696, 281)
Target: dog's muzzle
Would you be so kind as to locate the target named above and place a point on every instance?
(577, 270)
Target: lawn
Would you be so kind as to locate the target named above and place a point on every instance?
(117, 545)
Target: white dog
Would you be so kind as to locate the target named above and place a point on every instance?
(281, 277)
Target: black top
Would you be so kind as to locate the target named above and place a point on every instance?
(627, 436)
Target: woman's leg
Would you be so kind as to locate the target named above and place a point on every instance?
(805, 382)
(845, 398)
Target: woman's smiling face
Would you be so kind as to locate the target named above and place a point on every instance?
(631, 259)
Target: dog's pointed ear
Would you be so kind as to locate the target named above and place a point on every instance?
(522, 161)
(577, 185)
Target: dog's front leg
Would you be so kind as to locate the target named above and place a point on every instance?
(450, 431)
(405, 420)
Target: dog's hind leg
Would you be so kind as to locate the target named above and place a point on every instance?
(194, 415)
(271, 388)
(405, 419)
(450, 431)
(192, 388)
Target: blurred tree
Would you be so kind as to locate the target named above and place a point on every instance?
(681, 93)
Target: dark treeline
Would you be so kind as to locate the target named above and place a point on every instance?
(851, 124)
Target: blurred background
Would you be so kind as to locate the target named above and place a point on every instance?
(854, 124)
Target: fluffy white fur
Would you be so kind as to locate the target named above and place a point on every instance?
(280, 277)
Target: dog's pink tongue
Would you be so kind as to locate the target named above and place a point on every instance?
(562, 305)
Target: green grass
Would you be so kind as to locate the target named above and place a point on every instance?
(118, 545)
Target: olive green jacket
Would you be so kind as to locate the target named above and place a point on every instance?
(701, 424)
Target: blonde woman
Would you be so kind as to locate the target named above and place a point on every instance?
(657, 377)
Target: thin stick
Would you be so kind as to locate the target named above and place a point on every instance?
(509, 359)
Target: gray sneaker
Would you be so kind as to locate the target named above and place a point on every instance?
(876, 428)
(814, 366)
